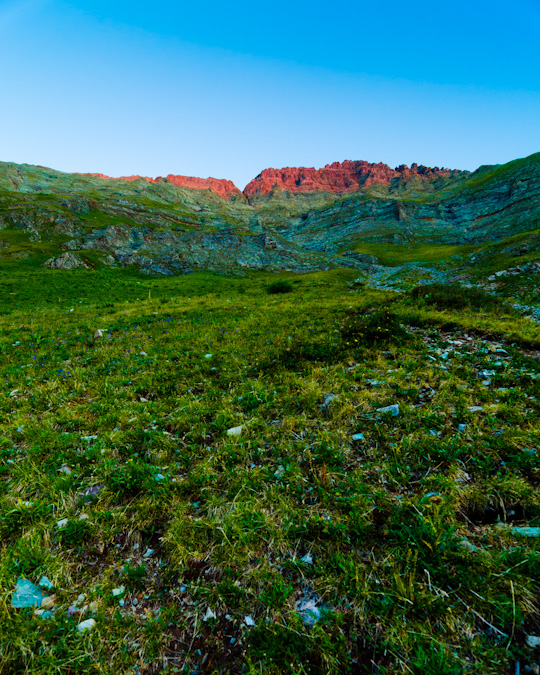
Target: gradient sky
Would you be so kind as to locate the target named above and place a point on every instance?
(228, 89)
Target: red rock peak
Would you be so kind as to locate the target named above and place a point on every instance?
(338, 177)
(223, 188)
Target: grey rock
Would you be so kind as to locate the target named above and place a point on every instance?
(89, 624)
(393, 409)
(27, 594)
(532, 641)
(532, 532)
(308, 610)
(66, 261)
(328, 399)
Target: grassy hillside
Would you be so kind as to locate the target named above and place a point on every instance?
(322, 535)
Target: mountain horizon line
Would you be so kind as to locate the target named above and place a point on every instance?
(336, 177)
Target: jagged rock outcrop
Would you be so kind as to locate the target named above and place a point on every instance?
(338, 177)
(66, 261)
(220, 186)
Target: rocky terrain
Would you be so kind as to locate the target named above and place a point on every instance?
(343, 177)
(235, 468)
(295, 219)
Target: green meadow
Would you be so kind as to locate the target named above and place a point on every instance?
(205, 473)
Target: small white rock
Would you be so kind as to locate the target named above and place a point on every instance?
(532, 641)
(209, 615)
(248, 620)
(118, 591)
(208, 356)
(86, 625)
(63, 522)
(235, 431)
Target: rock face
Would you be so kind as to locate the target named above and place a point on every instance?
(222, 187)
(67, 261)
(338, 177)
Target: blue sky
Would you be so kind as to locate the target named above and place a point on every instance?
(228, 89)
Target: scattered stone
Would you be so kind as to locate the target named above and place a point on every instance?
(209, 615)
(461, 427)
(63, 522)
(393, 409)
(43, 613)
(44, 582)
(358, 437)
(99, 333)
(65, 469)
(86, 625)
(208, 356)
(149, 553)
(532, 641)
(235, 431)
(280, 471)
(248, 620)
(48, 602)
(118, 591)
(92, 491)
(307, 559)
(328, 399)
(475, 408)
(531, 532)
(308, 610)
(27, 594)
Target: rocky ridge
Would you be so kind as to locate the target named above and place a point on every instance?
(180, 224)
(338, 178)
(220, 186)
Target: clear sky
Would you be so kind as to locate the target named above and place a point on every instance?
(229, 89)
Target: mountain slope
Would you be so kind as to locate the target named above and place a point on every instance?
(287, 219)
